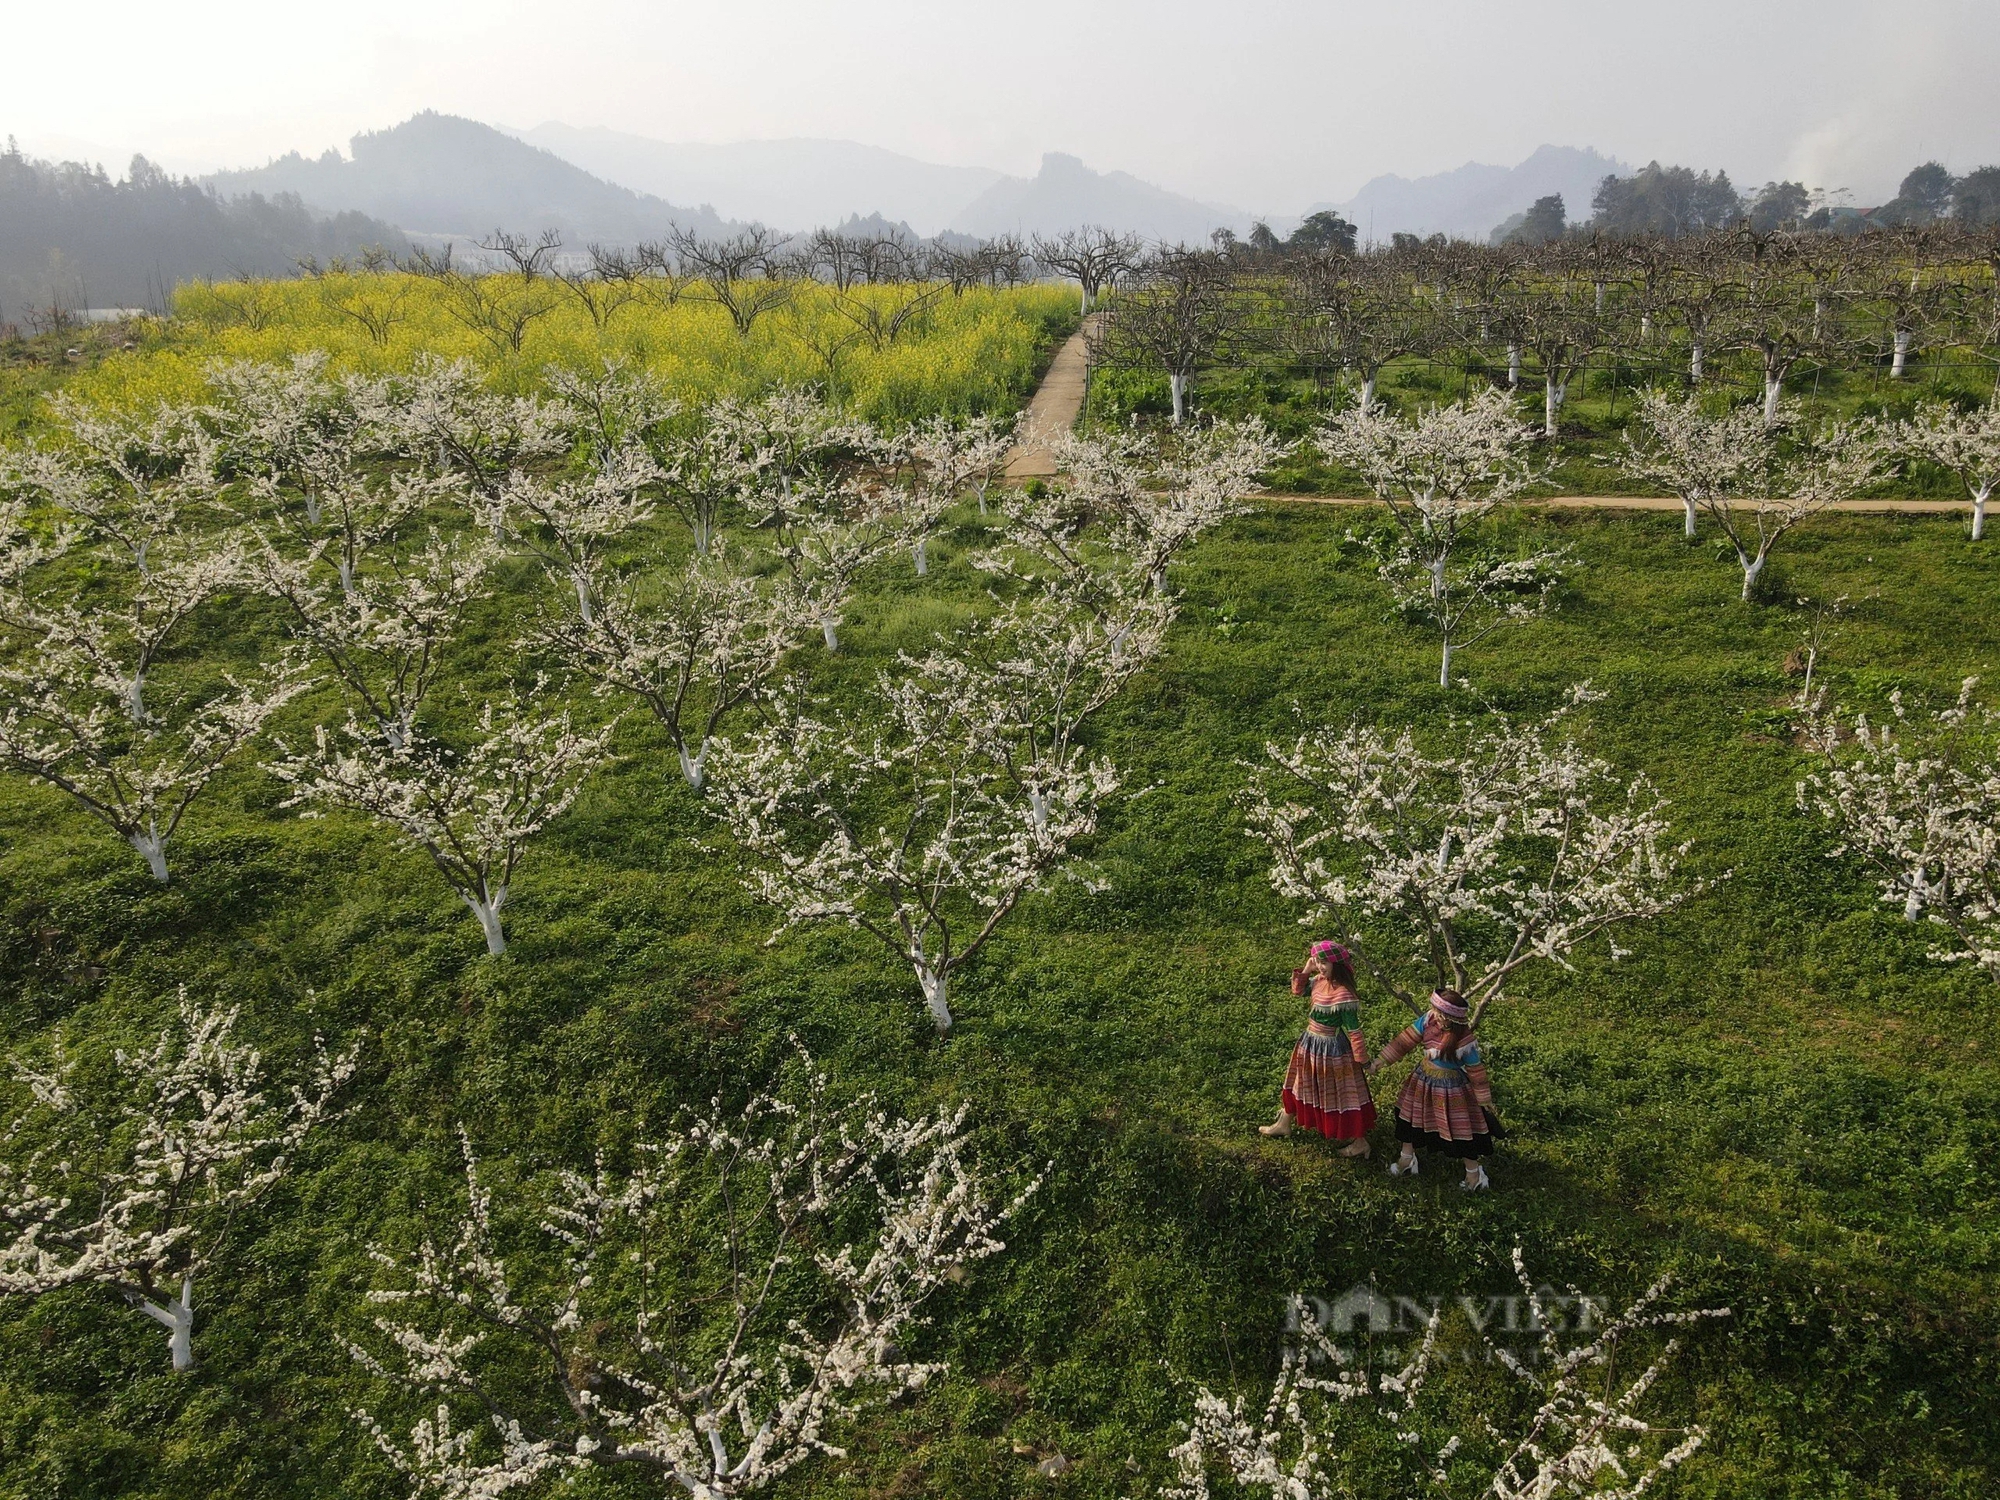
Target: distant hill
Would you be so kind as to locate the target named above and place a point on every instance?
(446, 177)
(72, 238)
(1066, 194)
(789, 184)
(1470, 200)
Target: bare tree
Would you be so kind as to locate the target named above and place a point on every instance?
(529, 259)
(1092, 257)
(740, 274)
(1179, 314)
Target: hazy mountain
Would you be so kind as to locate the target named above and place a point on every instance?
(1066, 194)
(70, 237)
(439, 175)
(1470, 200)
(791, 184)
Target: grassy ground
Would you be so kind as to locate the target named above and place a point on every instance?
(1595, 416)
(1777, 1095)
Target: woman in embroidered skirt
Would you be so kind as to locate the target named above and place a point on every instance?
(1324, 1086)
(1446, 1102)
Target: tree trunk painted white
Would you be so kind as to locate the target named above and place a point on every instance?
(1979, 497)
(1513, 366)
(1038, 808)
(1444, 664)
(1600, 298)
(1086, 298)
(135, 697)
(1901, 364)
(312, 509)
(1774, 390)
(1177, 384)
(694, 767)
(1688, 506)
(701, 534)
(1752, 568)
(827, 628)
(1368, 390)
(1913, 906)
(488, 912)
(935, 987)
(917, 552)
(1645, 328)
(178, 1319)
(583, 607)
(1552, 400)
(153, 849)
(1695, 360)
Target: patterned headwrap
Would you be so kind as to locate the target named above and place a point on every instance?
(1327, 948)
(1450, 1009)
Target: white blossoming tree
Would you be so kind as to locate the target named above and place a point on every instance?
(443, 419)
(1705, 461)
(472, 810)
(1441, 474)
(1575, 1426)
(1515, 847)
(1787, 474)
(693, 644)
(829, 532)
(705, 1321)
(1922, 808)
(132, 1181)
(1125, 507)
(966, 792)
(1967, 444)
(99, 696)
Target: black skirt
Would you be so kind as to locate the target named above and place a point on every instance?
(1480, 1145)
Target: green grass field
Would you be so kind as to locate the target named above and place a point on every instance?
(1776, 1096)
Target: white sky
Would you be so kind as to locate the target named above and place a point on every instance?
(1266, 105)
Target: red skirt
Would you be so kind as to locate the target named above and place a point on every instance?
(1325, 1089)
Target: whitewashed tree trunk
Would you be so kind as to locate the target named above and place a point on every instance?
(1774, 390)
(1444, 664)
(1645, 328)
(488, 912)
(583, 606)
(1695, 356)
(1901, 363)
(1177, 384)
(829, 627)
(1368, 390)
(1913, 905)
(935, 986)
(1552, 400)
(1513, 366)
(1979, 497)
(152, 847)
(917, 552)
(178, 1319)
(694, 767)
(1752, 568)
(1688, 506)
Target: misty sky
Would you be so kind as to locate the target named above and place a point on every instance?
(1266, 105)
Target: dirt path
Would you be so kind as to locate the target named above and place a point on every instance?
(1053, 410)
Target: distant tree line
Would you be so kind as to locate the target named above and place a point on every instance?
(71, 237)
(1675, 202)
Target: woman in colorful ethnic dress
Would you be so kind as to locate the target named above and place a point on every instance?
(1446, 1102)
(1324, 1086)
